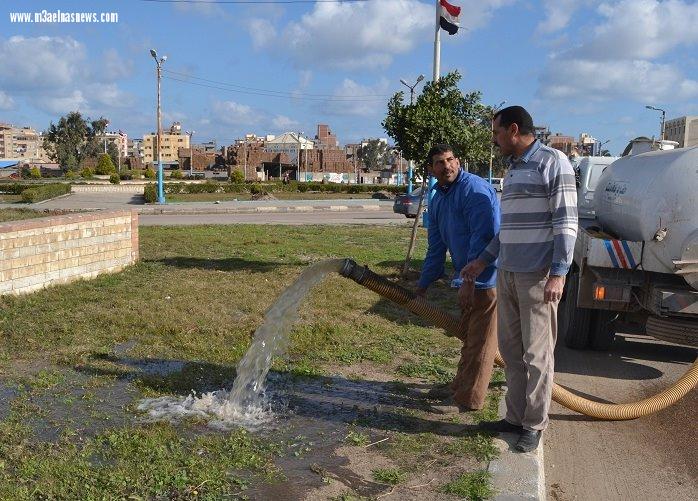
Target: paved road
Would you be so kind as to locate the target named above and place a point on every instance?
(653, 457)
(300, 218)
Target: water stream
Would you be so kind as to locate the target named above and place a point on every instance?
(247, 404)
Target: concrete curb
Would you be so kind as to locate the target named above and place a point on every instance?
(255, 210)
(517, 476)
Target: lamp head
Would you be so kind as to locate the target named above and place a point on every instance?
(420, 78)
(154, 54)
(163, 59)
(402, 81)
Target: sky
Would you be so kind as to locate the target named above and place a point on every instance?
(267, 68)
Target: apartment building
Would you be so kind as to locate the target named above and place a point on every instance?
(290, 143)
(172, 141)
(22, 143)
(683, 130)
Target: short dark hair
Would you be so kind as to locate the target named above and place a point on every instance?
(516, 115)
(438, 149)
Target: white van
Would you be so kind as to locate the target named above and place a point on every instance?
(588, 170)
(497, 183)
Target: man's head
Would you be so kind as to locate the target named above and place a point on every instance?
(512, 130)
(443, 164)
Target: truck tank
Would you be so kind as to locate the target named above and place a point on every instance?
(653, 198)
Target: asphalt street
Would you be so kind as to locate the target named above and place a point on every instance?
(653, 457)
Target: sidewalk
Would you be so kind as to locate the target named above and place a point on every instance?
(86, 201)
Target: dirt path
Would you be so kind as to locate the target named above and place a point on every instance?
(649, 458)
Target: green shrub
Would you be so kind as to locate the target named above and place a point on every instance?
(44, 192)
(174, 188)
(105, 165)
(86, 173)
(126, 175)
(35, 173)
(150, 193)
(235, 188)
(14, 188)
(207, 187)
(303, 187)
(237, 176)
(114, 178)
(150, 173)
(71, 174)
(176, 174)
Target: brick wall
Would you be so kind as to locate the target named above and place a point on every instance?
(36, 253)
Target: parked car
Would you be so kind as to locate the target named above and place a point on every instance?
(407, 204)
(497, 183)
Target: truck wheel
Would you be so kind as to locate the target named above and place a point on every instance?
(603, 330)
(577, 320)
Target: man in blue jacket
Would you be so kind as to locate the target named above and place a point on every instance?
(463, 218)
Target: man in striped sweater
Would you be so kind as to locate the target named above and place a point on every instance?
(534, 249)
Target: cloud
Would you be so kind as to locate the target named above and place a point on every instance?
(40, 63)
(6, 102)
(622, 57)
(201, 7)
(282, 123)
(53, 75)
(115, 67)
(359, 34)
(59, 104)
(642, 29)
(368, 99)
(602, 80)
(558, 14)
(235, 114)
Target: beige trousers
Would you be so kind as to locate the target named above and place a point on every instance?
(527, 330)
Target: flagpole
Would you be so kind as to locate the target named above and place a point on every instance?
(437, 70)
(437, 43)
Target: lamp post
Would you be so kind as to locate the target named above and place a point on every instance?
(410, 164)
(661, 136)
(104, 137)
(494, 110)
(190, 133)
(159, 63)
(601, 145)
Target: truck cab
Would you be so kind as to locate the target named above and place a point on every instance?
(588, 170)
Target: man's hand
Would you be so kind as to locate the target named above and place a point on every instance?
(466, 295)
(553, 289)
(421, 292)
(472, 270)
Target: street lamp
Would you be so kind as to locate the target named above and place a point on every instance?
(661, 137)
(104, 137)
(494, 111)
(601, 145)
(190, 133)
(159, 63)
(410, 164)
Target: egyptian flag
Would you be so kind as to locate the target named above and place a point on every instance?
(449, 17)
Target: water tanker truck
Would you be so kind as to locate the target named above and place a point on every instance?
(635, 265)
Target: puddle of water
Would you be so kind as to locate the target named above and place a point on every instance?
(247, 404)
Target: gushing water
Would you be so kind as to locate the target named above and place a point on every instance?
(247, 404)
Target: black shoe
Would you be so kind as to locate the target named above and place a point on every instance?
(501, 426)
(528, 441)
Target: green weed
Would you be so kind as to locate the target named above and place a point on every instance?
(474, 486)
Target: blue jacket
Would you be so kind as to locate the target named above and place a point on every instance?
(463, 219)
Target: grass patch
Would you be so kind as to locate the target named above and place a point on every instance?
(357, 438)
(280, 195)
(475, 486)
(390, 476)
(432, 368)
(480, 446)
(18, 214)
(145, 462)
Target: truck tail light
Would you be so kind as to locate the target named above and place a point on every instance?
(606, 292)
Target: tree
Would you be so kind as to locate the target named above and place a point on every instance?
(105, 165)
(441, 114)
(73, 139)
(113, 152)
(374, 154)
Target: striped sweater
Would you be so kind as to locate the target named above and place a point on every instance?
(539, 214)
